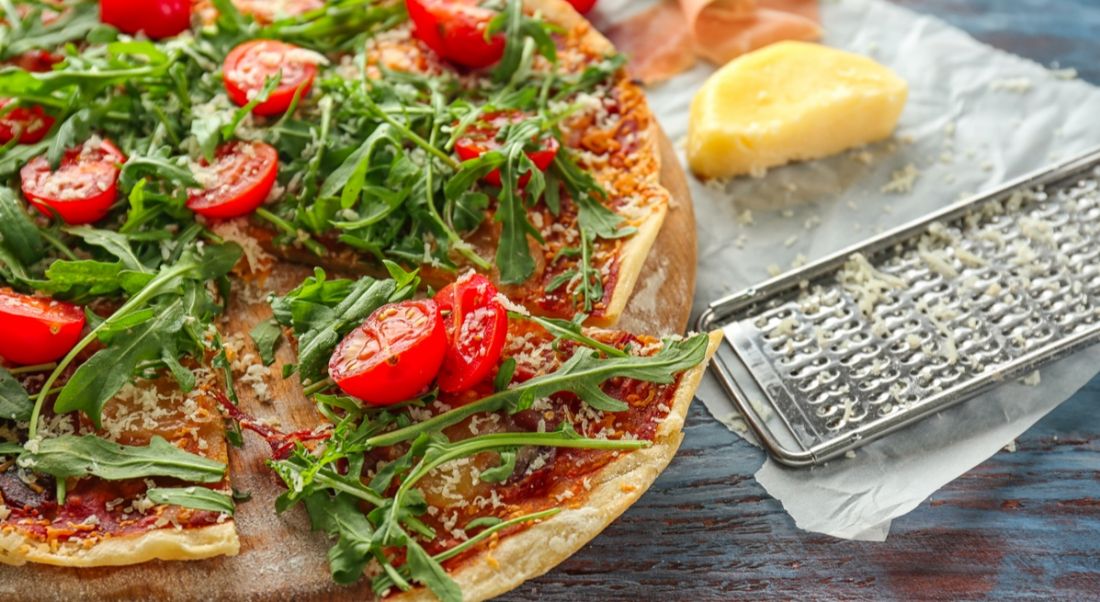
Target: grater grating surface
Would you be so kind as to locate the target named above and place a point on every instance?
(845, 350)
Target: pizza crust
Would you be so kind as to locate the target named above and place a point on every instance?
(541, 547)
(633, 258)
(634, 252)
(161, 544)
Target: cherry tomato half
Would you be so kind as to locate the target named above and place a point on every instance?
(455, 30)
(29, 124)
(477, 325)
(82, 189)
(394, 356)
(238, 182)
(249, 64)
(37, 330)
(482, 136)
(155, 18)
(583, 6)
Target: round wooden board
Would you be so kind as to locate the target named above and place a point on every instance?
(281, 559)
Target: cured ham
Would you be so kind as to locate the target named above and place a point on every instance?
(666, 39)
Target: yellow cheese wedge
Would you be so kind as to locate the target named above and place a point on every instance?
(786, 102)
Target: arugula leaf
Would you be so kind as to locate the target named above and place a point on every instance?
(98, 379)
(18, 235)
(469, 210)
(504, 471)
(266, 335)
(426, 570)
(72, 132)
(69, 456)
(15, 404)
(11, 448)
(339, 516)
(347, 179)
(513, 251)
(136, 168)
(87, 276)
(114, 243)
(582, 373)
(564, 329)
(74, 24)
(199, 498)
(504, 374)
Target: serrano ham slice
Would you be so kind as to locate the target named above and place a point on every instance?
(666, 39)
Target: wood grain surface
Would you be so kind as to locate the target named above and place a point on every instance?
(280, 558)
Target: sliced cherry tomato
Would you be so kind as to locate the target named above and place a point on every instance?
(29, 124)
(155, 18)
(477, 325)
(249, 64)
(37, 330)
(394, 356)
(82, 189)
(482, 136)
(583, 6)
(238, 182)
(456, 30)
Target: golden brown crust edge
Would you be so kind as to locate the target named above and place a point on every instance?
(541, 547)
(161, 544)
(636, 250)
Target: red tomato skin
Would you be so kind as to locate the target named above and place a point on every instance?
(480, 138)
(477, 326)
(583, 6)
(101, 164)
(30, 123)
(455, 30)
(257, 186)
(36, 61)
(281, 97)
(37, 330)
(396, 368)
(155, 18)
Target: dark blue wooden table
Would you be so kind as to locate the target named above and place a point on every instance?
(1023, 524)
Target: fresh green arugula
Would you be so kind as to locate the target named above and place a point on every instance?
(266, 335)
(199, 498)
(69, 456)
(171, 296)
(15, 404)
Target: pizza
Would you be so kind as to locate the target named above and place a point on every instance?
(475, 187)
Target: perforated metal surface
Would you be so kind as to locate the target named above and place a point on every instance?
(872, 338)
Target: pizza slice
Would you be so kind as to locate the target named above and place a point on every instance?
(466, 445)
(112, 449)
(151, 484)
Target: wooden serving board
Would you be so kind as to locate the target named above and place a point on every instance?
(281, 559)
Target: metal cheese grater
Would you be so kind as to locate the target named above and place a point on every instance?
(845, 350)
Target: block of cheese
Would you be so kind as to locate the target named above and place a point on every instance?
(786, 102)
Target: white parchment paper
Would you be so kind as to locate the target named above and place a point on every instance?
(975, 118)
